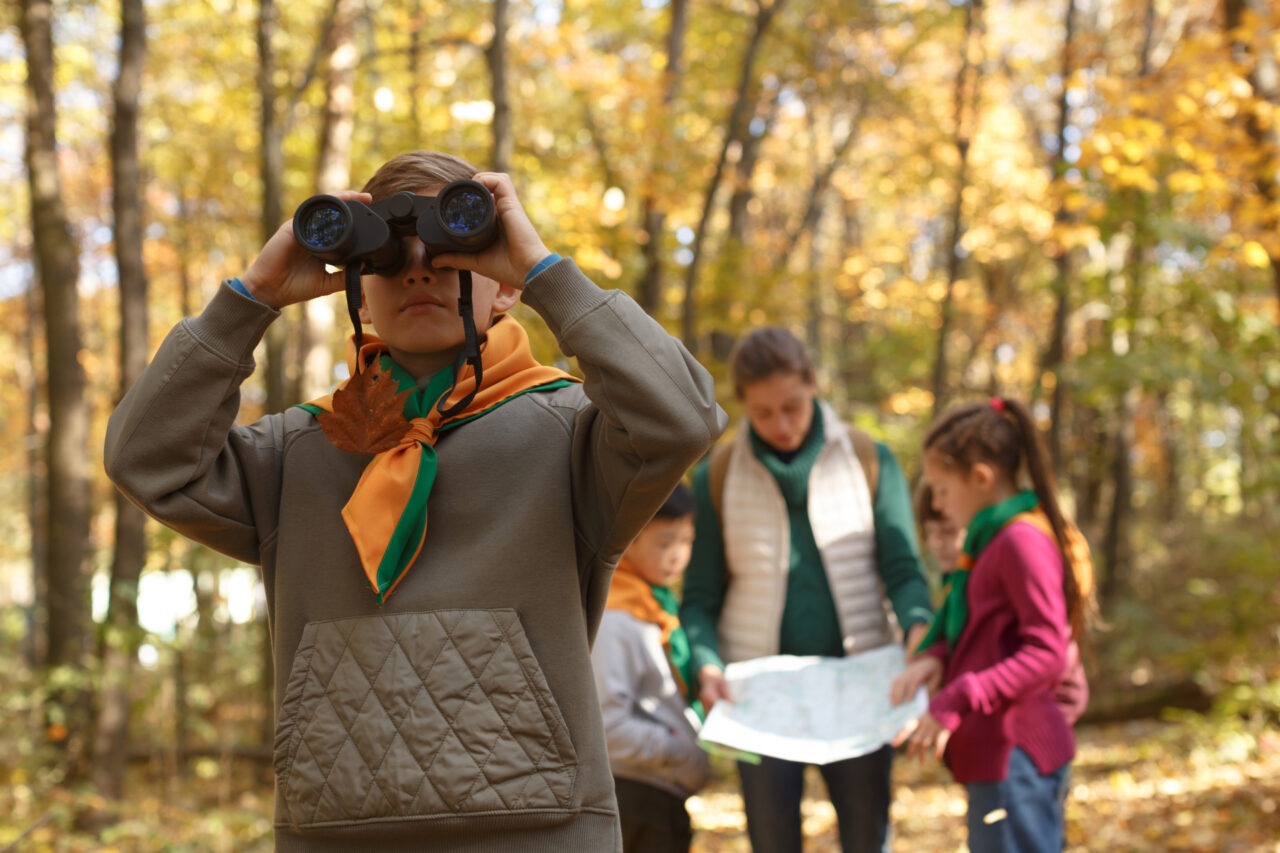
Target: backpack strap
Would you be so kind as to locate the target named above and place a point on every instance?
(717, 468)
(864, 447)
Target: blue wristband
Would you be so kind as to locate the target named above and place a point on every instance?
(542, 265)
(238, 286)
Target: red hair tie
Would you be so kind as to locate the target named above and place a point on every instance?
(997, 403)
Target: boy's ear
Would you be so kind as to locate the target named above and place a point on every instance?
(364, 308)
(506, 299)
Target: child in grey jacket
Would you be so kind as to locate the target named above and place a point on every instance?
(644, 676)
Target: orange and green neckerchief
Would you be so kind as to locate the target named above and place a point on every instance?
(387, 513)
(988, 521)
(648, 602)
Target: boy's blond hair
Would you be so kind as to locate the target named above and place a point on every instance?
(417, 170)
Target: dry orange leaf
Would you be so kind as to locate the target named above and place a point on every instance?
(368, 413)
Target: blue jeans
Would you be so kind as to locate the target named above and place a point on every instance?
(1022, 814)
(858, 789)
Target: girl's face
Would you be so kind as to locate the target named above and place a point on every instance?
(957, 494)
(780, 409)
(945, 542)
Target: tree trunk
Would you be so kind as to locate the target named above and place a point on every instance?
(272, 167)
(1264, 78)
(120, 641)
(333, 174)
(496, 56)
(272, 156)
(1055, 353)
(733, 133)
(965, 90)
(58, 267)
(649, 291)
(38, 631)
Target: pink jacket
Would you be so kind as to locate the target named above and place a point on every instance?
(1000, 680)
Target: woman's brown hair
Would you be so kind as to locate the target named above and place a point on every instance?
(1003, 433)
(417, 170)
(765, 351)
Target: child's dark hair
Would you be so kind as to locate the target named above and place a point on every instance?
(679, 504)
(1002, 432)
(765, 351)
(925, 510)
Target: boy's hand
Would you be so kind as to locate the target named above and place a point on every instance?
(285, 273)
(517, 251)
(713, 686)
(922, 737)
(925, 670)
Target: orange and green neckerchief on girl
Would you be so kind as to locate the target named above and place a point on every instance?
(387, 513)
(989, 521)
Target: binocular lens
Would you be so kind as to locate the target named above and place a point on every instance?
(322, 227)
(466, 210)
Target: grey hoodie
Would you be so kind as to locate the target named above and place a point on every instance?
(461, 715)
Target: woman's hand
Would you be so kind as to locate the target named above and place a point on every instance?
(285, 273)
(925, 671)
(713, 686)
(516, 251)
(922, 737)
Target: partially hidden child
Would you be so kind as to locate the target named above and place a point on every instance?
(1001, 647)
(645, 678)
(431, 603)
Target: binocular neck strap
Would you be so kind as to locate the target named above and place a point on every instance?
(353, 303)
(470, 348)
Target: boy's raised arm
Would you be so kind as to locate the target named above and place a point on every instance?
(653, 415)
(171, 447)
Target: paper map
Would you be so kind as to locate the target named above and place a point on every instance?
(812, 709)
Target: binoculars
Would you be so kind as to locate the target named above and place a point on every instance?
(462, 218)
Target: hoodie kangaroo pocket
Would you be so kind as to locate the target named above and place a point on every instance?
(421, 716)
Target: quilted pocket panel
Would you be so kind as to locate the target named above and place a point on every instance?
(404, 716)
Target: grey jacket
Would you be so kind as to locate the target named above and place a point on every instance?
(462, 715)
(646, 721)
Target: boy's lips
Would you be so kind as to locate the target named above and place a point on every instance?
(422, 302)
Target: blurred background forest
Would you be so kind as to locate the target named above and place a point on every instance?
(1075, 202)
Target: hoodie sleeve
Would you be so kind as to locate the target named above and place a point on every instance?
(652, 414)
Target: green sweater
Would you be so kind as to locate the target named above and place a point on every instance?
(810, 625)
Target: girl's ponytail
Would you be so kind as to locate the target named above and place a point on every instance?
(1078, 590)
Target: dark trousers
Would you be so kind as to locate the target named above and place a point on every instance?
(1022, 814)
(859, 789)
(653, 820)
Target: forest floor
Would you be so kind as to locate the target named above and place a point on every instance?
(1192, 784)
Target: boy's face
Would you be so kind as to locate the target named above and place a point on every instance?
(416, 310)
(662, 550)
(780, 408)
(945, 542)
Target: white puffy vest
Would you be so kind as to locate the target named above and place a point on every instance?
(757, 544)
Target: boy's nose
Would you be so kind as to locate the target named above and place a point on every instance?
(417, 262)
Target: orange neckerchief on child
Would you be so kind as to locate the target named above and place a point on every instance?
(387, 513)
(633, 594)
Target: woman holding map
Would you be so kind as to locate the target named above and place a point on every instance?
(804, 530)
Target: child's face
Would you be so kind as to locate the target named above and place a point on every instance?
(662, 550)
(780, 408)
(957, 494)
(945, 542)
(416, 310)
